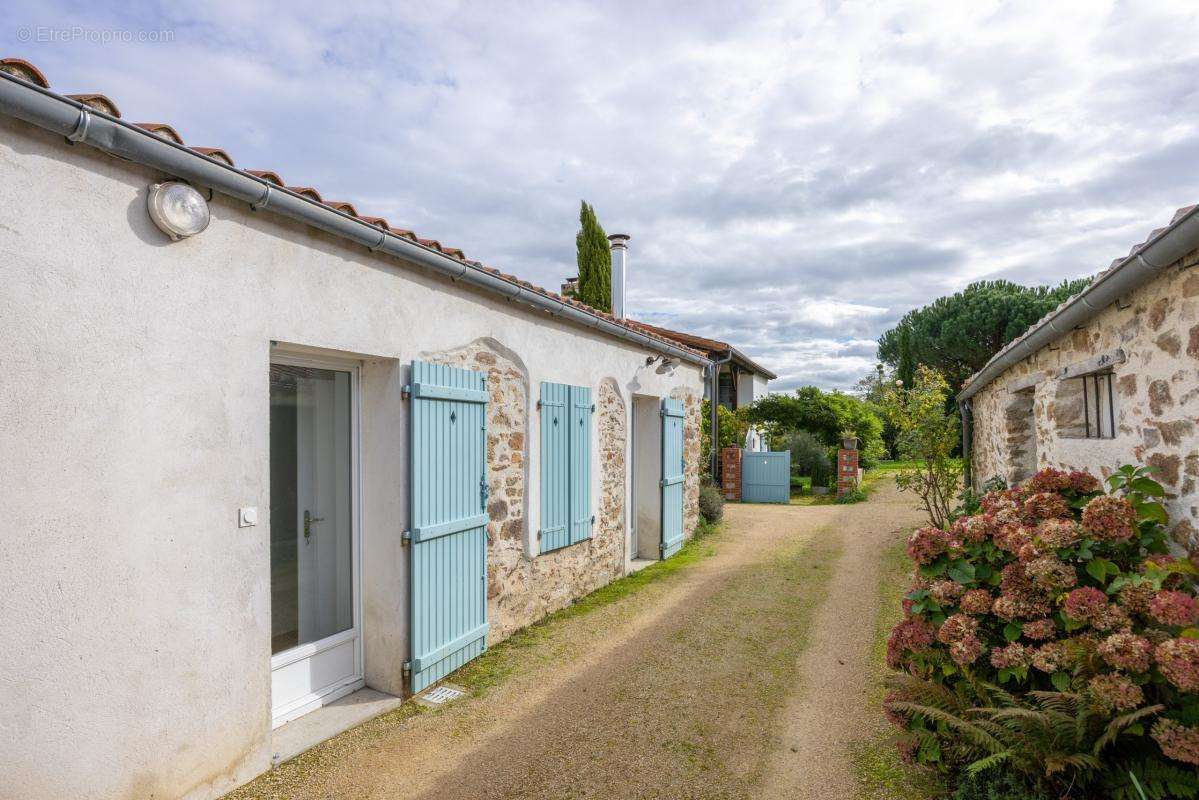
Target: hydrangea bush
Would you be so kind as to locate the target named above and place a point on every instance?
(1052, 633)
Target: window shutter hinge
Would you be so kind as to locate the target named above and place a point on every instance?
(406, 394)
(407, 668)
(407, 537)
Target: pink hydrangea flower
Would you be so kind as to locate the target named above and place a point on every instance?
(1109, 519)
(1058, 533)
(1177, 741)
(1012, 537)
(956, 627)
(1136, 597)
(965, 651)
(1016, 607)
(946, 592)
(976, 601)
(1111, 618)
(1039, 629)
(1050, 657)
(1085, 603)
(1127, 651)
(976, 529)
(1046, 505)
(1174, 608)
(1178, 660)
(1014, 655)
(925, 544)
(1051, 574)
(912, 635)
(1115, 692)
(1048, 480)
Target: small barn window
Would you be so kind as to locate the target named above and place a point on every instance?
(1085, 407)
(1099, 406)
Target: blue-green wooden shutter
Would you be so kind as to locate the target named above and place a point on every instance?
(566, 417)
(580, 463)
(448, 559)
(555, 466)
(672, 477)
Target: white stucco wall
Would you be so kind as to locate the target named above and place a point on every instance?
(749, 388)
(134, 423)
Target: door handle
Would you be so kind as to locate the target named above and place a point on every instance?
(309, 520)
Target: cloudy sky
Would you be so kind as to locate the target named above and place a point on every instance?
(794, 176)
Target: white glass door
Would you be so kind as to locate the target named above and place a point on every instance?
(316, 653)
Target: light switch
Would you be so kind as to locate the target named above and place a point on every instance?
(247, 517)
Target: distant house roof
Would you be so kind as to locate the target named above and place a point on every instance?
(713, 347)
(30, 74)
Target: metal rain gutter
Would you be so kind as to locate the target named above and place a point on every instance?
(1144, 263)
(79, 123)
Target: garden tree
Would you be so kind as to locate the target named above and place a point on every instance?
(872, 389)
(957, 334)
(928, 434)
(595, 261)
(823, 414)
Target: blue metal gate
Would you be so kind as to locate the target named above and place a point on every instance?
(672, 477)
(766, 477)
(448, 559)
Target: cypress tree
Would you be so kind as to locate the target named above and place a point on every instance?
(595, 261)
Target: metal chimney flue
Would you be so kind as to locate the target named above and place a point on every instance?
(620, 254)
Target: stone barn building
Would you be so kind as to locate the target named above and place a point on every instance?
(271, 464)
(1110, 377)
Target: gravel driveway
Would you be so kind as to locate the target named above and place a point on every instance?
(742, 675)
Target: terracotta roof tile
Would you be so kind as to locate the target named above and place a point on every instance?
(161, 129)
(378, 222)
(307, 191)
(25, 71)
(266, 175)
(98, 102)
(20, 68)
(215, 152)
(343, 207)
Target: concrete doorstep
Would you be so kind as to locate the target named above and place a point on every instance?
(289, 740)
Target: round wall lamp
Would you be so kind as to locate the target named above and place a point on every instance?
(178, 209)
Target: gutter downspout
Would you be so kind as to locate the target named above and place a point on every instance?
(713, 409)
(967, 443)
(79, 123)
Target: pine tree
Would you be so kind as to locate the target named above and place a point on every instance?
(906, 370)
(595, 261)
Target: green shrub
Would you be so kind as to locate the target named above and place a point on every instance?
(711, 502)
(807, 452)
(856, 496)
(1051, 636)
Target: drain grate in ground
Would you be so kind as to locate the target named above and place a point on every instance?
(440, 695)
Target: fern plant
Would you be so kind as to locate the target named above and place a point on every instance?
(1056, 739)
(1150, 779)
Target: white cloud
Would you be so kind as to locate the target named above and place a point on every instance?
(794, 177)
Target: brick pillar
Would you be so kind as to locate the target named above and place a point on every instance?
(847, 469)
(730, 472)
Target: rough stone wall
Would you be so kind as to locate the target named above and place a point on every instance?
(1156, 393)
(691, 457)
(520, 589)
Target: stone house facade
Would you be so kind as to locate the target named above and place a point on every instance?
(159, 395)
(1120, 388)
